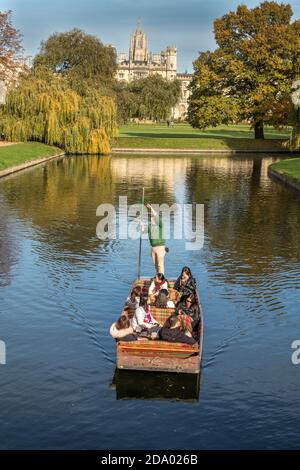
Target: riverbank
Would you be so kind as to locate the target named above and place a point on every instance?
(19, 156)
(287, 171)
(229, 139)
(187, 151)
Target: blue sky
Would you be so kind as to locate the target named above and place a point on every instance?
(188, 24)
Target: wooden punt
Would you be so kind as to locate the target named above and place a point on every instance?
(157, 355)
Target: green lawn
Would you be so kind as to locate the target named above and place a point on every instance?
(184, 136)
(289, 168)
(16, 154)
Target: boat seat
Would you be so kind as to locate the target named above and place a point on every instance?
(161, 315)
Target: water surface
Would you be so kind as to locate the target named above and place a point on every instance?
(61, 288)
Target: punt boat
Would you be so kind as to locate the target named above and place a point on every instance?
(157, 355)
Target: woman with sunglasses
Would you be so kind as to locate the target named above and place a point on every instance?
(189, 312)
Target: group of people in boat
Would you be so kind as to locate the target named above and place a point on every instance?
(137, 320)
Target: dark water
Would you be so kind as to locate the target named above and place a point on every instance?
(61, 288)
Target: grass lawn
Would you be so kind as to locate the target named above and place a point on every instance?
(16, 154)
(289, 168)
(184, 136)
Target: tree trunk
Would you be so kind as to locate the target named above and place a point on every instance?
(259, 130)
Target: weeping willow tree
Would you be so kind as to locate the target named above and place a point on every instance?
(295, 137)
(43, 108)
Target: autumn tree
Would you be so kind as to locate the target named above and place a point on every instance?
(249, 76)
(67, 98)
(10, 45)
(44, 108)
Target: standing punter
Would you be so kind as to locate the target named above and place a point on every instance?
(157, 242)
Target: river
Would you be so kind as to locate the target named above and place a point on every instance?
(61, 288)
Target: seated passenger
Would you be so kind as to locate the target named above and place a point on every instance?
(186, 283)
(163, 301)
(173, 332)
(188, 306)
(158, 283)
(143, 320)
(122, 329)
(133, 300)
(128, 312)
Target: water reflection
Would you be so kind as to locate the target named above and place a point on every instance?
(156, 386)
(60, 200)
(245, 220)
(8, 250)
(62, 288)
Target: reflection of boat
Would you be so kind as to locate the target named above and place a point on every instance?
(156, 385)
(156, 355)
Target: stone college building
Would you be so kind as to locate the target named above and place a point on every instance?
(140, 63)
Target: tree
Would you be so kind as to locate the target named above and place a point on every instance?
(125, 101)
(250, 74)
(44, 108)
(10, 45)
(152, 97)
(80, 57)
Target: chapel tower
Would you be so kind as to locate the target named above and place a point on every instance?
(138, 51)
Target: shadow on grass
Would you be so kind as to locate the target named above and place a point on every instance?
(215, 134)
(232, 142)
(182, 136)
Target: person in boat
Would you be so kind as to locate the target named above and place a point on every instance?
(133, 300)
(163, 300)
(143, 320)
(122, 329)
(188, 307)
(128, 311)
(173, 333)
(186, 283)
(156, 239)
(158, 283)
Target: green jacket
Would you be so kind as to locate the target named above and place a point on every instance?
(155, 231)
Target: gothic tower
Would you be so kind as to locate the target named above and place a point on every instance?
(138, 45)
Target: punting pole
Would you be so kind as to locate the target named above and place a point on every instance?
(141, 235)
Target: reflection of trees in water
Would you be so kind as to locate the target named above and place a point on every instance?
(61, 198)
(7, 244)
(248, 219)
(246, 225)
(159, 175)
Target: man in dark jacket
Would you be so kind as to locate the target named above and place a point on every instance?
(174, 334)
